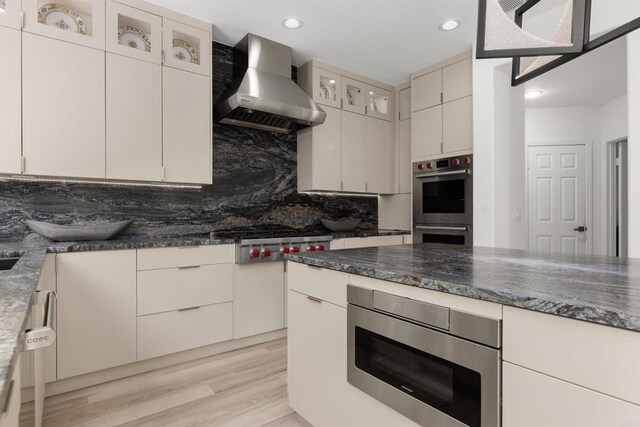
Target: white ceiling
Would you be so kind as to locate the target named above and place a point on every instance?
(593, 79)
(382, 39)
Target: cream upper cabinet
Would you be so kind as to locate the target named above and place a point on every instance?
(354, 98)
(457, 125)
(133, 32)
(327, 88)
(380, 157)
(186, 48)
(96, 326)
(426, 132)
(63, 108)
(426, 90)
(379, 103)
(134, 119)
(10, 99)
(10, 14)
(320, 154)
(75, 21)
(404, 106)
(354, 141)
(186, 146)
(457, 81)
(404, 154)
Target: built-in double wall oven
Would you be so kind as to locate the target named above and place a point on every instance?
(443, 201)
(435, 365)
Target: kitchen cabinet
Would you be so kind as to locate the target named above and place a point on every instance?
(187, 145)
(10, 14)
(10, 414)
(11, 97)
(354, 96)
(380, 156)
(426, 132)
(138, 23)
(90, 34)
(547, 401)
(186, 48)
(320, 154)
(133, 119)
(442, 109)
(404, 103)
(63, 108)
(259, 298)
(354, 148)
(404, 154)
(96, 326)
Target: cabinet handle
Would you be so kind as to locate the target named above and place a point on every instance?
(188, 308)
(5, 408)
(188, 267)
(188, 246)
(441, 98)
(314, 299)
(23, 162)
(21, 20)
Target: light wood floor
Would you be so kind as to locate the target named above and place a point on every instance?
(244, 388)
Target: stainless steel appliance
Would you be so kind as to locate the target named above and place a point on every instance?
(264, 96)
(443, 200)
(437, 366)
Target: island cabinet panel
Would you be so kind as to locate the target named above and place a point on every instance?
(531, 399)
(10, 414)
(327, 285)
(597, 357)
(63, 102)
(96, 311)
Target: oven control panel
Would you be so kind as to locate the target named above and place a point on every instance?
(443, 165)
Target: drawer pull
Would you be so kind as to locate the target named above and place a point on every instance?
(189, 308)
(7, 402)
(314, 299)
(187, 267)
(187, 246)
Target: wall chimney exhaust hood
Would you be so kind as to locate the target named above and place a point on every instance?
(264, 96)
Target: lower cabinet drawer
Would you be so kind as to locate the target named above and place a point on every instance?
(174, 331)
(157, 258)
(327, 285)
(176, 288)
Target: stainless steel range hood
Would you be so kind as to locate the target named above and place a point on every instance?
(264, 96)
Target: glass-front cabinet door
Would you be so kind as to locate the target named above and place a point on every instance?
(186, 48)
(134, 33)
(353, 95)
(10, 13)
(326, 87)
(379, 103)
(75, 21)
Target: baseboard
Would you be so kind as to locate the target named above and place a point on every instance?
(87, 380)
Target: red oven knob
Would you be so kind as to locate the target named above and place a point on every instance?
(429, 165)
(420, 166)
(266, 253)
(320, 247)
(311, 248)
(456, 162)
(295, 249)
(466, 161)
(285, 250)
(254, 253)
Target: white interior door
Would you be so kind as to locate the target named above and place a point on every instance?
(557, 180)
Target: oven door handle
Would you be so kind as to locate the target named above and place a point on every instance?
(437, 174)
(434, 227)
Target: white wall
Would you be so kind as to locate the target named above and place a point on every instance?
(597, 125)
(633, 145)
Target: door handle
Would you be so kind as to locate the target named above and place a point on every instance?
(580, 229)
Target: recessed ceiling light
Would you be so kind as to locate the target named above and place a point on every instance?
(449, 25)
(533, 94)
(292, 23)
(332, 82)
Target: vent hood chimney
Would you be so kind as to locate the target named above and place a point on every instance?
(264, 96)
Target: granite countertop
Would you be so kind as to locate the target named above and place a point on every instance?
(18, 284)
(597, 289)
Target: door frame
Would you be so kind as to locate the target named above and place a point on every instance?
(588, 144)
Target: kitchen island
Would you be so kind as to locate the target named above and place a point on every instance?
(569, 329)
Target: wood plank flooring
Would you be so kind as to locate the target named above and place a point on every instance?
(244, 388)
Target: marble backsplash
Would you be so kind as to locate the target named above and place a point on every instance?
(254, 175)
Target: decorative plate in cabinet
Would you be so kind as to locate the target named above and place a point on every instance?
(80, 22)
(186, 47)
(134, 33)
(183, 51)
